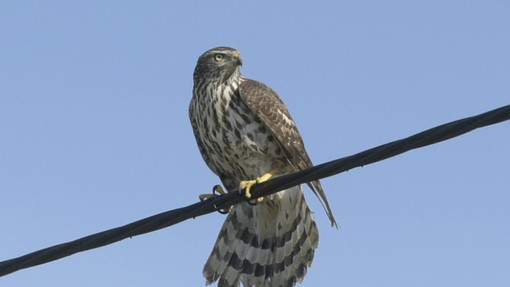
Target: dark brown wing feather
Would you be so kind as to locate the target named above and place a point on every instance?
(271, 110)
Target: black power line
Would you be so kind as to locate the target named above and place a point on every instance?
(165, 219)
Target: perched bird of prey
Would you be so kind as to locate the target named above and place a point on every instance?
(246, 135)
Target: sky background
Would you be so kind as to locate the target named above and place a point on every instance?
(94, 133)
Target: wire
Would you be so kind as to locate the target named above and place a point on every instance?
(169, 218)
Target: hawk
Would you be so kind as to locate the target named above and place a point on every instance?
(246, 135)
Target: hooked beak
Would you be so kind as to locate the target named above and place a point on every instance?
(237, 57)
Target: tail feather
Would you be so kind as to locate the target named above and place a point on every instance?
(270, 244)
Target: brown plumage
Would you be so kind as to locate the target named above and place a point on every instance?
(244, 130)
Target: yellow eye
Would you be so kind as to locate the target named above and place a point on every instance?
(218, 57)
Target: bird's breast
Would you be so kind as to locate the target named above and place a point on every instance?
(238, 143)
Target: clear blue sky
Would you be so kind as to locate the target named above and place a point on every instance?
(94, 133)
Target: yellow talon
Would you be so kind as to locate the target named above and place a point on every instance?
(206, 196)
(247, 184)
(264, 177)
(216, 189)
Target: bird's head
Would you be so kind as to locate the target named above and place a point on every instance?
(218, 64)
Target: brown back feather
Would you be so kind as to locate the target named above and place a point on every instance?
(268, 106)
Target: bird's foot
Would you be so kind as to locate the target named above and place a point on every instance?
(245, 187)
(217, 191)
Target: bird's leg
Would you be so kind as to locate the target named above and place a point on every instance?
(247, 184)
(217, 191)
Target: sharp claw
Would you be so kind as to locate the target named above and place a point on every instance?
(245, 187)
(206, 196)
(218, 189)
(264, 177)
(216, 192)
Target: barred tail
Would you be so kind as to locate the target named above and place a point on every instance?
(270, 244)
